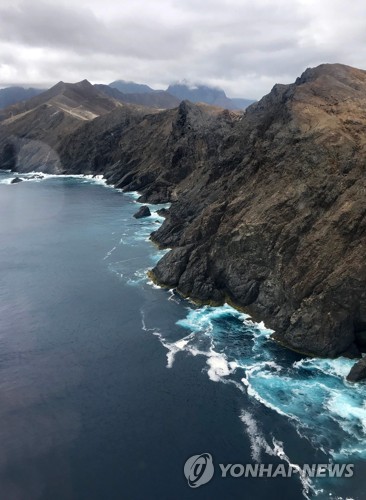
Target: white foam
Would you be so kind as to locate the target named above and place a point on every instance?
(255, 394)
(257, 441)
(38, 176)
(349, 410)
(306, 482)
(173, 297)
(338, 367)
(108, 254)
(259, 444)
(7, 180)
(219, 366)
(132, 194)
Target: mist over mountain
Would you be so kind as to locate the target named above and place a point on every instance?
(141, 94)
(131, 87)
(209, 95)
(181, 91)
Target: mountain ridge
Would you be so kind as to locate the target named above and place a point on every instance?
(141, 94)
(156, 99)
(129, 87)
(37, 125)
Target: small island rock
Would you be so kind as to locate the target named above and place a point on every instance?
(16, 180)
(144, 211)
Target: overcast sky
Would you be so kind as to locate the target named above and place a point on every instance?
(244, 46)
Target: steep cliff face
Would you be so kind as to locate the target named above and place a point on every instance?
(157, 153)
(282, 229)
(268, 207)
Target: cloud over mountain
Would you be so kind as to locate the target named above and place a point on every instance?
(240, 45)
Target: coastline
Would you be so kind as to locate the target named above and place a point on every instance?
(239, 353)
(101, 179)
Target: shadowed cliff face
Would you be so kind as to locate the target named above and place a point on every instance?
(285, 235)
(268, 207)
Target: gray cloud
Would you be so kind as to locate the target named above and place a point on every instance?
(244, 46)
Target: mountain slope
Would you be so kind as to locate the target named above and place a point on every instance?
(80, 99)
(155, 153)
(131, 87)
(158, 99)
(136, 93)
(37, 125)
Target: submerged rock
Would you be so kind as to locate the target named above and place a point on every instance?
(358, 371)
(144, 211)
(16, 180)
(36, 176)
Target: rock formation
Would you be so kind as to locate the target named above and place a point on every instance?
(16, 180)
(142, 212)
(358, 371)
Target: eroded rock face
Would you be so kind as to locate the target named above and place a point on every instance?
(268, 208)
(289, 243)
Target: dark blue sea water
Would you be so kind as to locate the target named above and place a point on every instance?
(109, 384)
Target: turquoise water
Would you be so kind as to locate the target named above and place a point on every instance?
(109, 383)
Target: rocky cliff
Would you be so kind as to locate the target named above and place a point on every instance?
(268, 207)
(280, 229)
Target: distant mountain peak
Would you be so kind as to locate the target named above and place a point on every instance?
(184, 90)
(13, 95)
(128, 87)
(214, 96)
(84, 83)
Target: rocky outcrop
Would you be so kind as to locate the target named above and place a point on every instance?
(358, 371)
(142, 212)
(267, 208)
(16, 180)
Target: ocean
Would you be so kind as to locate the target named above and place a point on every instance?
(109, 384)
